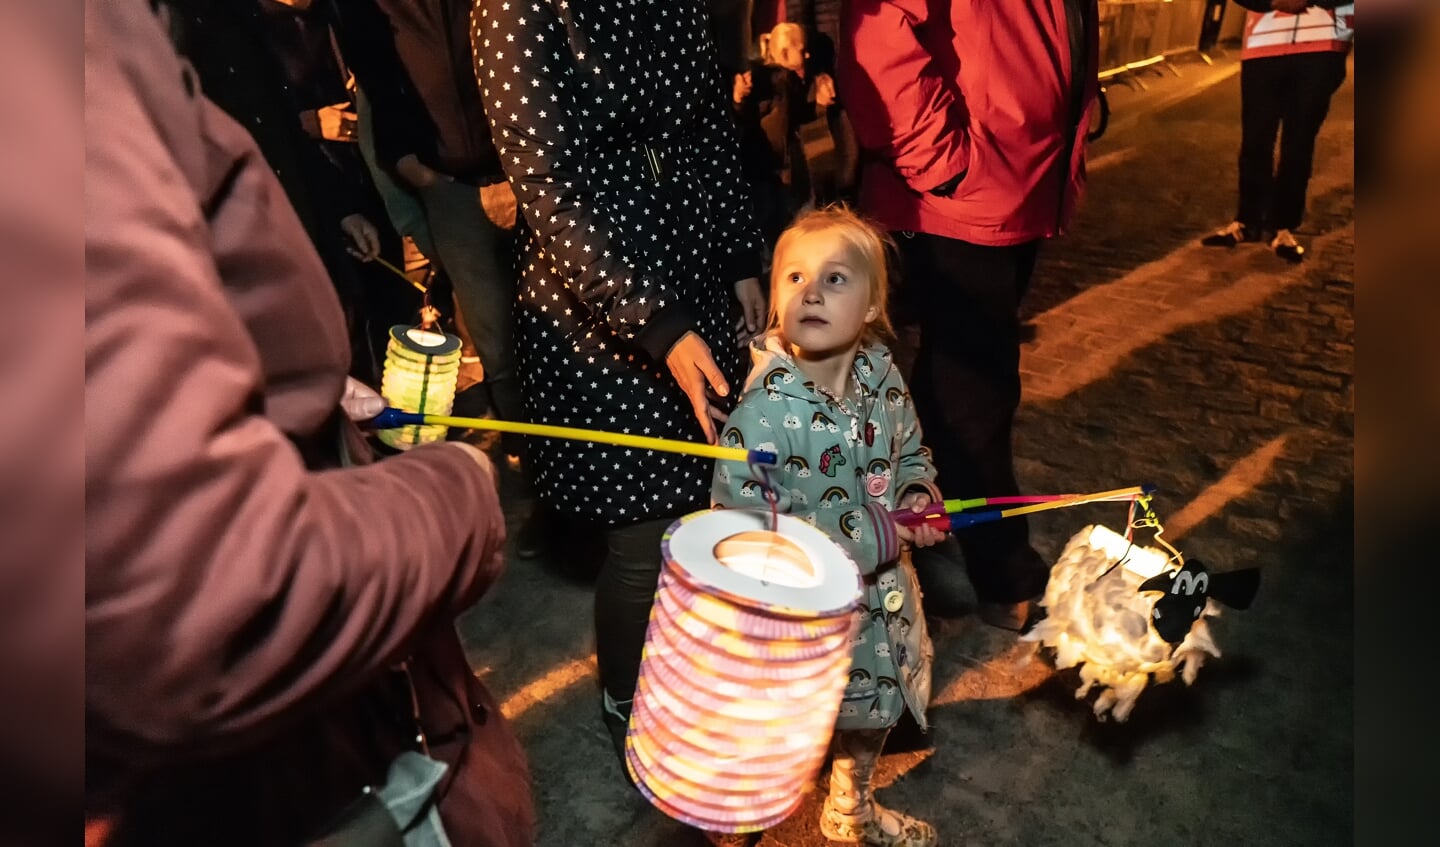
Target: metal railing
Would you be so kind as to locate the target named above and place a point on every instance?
(1140, 34)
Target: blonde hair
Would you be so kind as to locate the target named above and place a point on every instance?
(870, 245)
(785, 32)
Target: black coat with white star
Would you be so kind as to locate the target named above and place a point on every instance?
(615, 133)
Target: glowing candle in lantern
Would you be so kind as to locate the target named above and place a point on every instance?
(421, 369)
(746, 658)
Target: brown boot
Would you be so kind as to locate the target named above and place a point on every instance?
(851, 814)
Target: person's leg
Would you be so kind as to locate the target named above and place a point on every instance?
(966, 388)
(478, 257)
(624, 593)
(850, 813)
(1261, 95)
(1314, 79)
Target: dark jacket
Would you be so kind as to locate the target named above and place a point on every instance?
(770, 118)
(264, 63)
(243, 609)
(412, 59)
(638, 226)
(772, 155)
(241, 70)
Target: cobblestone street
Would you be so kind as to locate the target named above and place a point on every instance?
(1225, 379)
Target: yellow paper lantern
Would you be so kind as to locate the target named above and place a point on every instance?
(421, 370)
(746, 659)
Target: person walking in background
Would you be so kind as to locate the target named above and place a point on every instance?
(1292, 61)
(272, 66)
(638, 257)
(773, 100)
(971, 117)
(412, 59)
(270, 651)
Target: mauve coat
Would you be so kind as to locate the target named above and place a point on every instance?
(242, 608)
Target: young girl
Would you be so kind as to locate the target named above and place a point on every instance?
(824, 395)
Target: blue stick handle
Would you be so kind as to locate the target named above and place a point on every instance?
(964, 519)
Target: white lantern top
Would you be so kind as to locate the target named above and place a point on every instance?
(791, 570)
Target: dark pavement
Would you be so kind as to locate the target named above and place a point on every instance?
(1226, 379)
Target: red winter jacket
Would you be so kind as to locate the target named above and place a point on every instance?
(937, 88)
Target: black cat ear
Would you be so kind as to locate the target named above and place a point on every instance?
(1235, 589)
(1159, 582)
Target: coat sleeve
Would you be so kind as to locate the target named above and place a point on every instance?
(42, 502)
(865, 533)
(227, 586)
(718, 146)
(913, 116)
(522, 61)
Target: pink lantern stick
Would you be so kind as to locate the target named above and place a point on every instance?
(938, 514)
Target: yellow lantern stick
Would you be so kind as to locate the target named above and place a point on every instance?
(963, 518)
(396, 417)
(940, 514)
(394, 270)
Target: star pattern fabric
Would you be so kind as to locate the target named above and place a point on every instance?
(613, 128)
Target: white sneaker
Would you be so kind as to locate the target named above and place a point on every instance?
(1286, 247)
(1229, 235)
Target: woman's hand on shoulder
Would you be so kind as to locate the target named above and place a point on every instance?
(752, 310)
(695, 370)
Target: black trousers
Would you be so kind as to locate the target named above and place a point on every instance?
(624, 593)
(965, 300)
(1288, 96)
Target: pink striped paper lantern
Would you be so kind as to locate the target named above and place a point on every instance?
(745, 662)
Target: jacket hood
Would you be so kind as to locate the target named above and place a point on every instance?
(773, 368)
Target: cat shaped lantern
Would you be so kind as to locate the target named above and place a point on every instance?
(1125, 613)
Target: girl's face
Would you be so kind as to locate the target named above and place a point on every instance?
(822, 294)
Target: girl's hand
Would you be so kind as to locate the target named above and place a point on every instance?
(752, 310)
(918, 536)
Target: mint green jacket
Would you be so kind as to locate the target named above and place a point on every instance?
(844, 463)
